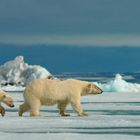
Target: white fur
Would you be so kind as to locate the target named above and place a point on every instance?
(50, 92)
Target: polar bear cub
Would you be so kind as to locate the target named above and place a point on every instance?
(50, 92)
(6, 99)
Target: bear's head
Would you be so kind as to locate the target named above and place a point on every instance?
(7, 99)
(91, 89)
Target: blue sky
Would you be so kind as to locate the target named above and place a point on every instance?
(87, 22)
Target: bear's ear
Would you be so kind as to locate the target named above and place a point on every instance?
(87, 88)
(4, 96)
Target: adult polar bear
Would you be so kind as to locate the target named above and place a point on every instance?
(50, 92)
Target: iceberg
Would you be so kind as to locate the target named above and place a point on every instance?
(119, 85)
(17, 72)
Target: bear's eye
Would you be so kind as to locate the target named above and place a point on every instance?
(4, 96)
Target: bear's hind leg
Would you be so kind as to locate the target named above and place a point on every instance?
(23, 108)
(62, 107)
(35, 108)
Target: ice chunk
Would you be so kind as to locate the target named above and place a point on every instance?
(17, 72)
(119, 85)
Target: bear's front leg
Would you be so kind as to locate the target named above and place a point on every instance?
(77, 107)
(35, 108)
(2, 110)
(23, 108)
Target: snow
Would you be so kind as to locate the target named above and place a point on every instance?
(12, 88)
(111, 117)
(17, 72)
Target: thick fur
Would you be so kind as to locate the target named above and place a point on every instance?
(50, 92)
(6, 99)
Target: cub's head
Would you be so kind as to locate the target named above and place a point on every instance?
(7, 99)
(91, 89)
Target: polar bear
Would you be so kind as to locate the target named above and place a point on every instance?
(7, 99)
(49, 92)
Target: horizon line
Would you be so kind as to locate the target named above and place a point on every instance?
(107, 40)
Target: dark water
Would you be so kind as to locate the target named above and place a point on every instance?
(60, 58)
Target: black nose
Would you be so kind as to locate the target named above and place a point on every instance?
(12, 106)
(101, 92)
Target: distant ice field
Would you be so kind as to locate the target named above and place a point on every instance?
(16, 74)
(118, 83)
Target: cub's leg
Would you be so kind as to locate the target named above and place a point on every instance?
(62, 108)
(2, 110)
(23, 108)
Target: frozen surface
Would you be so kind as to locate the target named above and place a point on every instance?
(112, 116)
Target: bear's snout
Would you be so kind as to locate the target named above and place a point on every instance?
(10, 104)
(101, 92)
